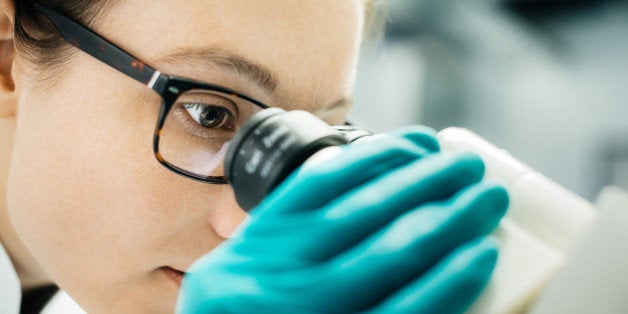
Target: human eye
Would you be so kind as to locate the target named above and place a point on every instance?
(209, 116)
(206, 115)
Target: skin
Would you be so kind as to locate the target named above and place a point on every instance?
(84, 202)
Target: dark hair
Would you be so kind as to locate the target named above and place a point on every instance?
(39, 41)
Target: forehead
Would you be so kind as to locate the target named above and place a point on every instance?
(309, 45)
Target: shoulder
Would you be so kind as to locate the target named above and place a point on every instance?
(11, 294)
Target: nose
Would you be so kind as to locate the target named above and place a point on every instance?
(225, 215)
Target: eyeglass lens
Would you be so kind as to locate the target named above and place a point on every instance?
(198, 128)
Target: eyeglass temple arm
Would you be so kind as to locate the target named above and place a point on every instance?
(100, 48)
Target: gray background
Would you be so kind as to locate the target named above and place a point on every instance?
(545, 80)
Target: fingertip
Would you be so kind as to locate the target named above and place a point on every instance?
(494, 196)
(482, 207)
(499, 197)
(485, 251)
(469, 166)
(477, 252)
(477, 260)
(451, 286)
(420, 135)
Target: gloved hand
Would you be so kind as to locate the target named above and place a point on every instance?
(388, 225)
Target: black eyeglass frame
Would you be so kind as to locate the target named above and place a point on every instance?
(169, 87)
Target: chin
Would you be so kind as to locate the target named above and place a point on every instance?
(157, 293)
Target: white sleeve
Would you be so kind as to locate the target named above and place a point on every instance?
(62, 303)
(10, 291)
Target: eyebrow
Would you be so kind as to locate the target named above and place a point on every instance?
(227, 60)
(254, 72)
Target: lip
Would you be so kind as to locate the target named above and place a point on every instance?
(173, 274)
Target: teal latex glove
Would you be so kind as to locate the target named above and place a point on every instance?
(388, 225)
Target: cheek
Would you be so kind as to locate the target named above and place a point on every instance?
(91, 202)
(71, 176)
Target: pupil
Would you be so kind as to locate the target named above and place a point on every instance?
(211, 117)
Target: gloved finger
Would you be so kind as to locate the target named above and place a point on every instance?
(407, 247)
(236, 304)
(451, 286)
(319, 234)
(364, 210)
(318, 184)
(420, 135)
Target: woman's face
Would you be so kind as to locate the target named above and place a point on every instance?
(85, 192)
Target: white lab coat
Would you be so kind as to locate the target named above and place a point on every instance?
(11, 292)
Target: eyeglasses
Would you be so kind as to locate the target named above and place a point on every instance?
(196, 121)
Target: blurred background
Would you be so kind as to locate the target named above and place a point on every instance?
(545, 80)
